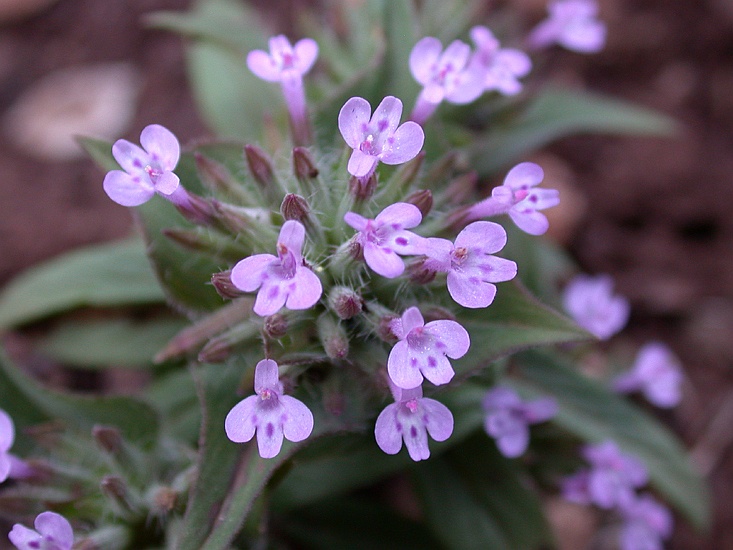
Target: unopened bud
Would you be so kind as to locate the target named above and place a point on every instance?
(215, 176)
(303, 165)
(423, 199)
(419, 274)
(216, 350)
(295, 207)
(443, 168)
(223, 284)
(220, 347)
(384, 328)
(345, 302)
(260, 165)
(461, 188)
(194, 208)
(276, 326)
(333, 337)
(437, 313)
(164, 500)
(115, 489)
(191, 239)
(108, 438)
(362, 188)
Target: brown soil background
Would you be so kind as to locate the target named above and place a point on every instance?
(657, 214)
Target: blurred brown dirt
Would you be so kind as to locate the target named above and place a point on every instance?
(657, 210)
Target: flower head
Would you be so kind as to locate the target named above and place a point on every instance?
(386, 236)
(284, 60)
(424, 349)
(269, 413)
(146, 171)
(282, 280)
(379, 136)
(572, 24)
(520, 198)
(508, 418)
(611, 479)
(502, 66)
(410, 419)
(656, 373)
(471, 268)
(53, 532)
(591, 303)
(646, 524)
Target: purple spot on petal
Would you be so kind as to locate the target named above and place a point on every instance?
(269, 429)
(431, 361)
(413, 432)
(401, 241)
(383, 125)
(273, 292)
(533, 198)
(395, 226)
(413, 361)
(398, 426)
(439, 344)
(34, 544)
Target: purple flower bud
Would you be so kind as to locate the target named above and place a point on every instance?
(591, 303)
(410, 419)
(385, 237)
(333, 337)
(508, 418)
(611, 479)
(260, 165)
(276, 325)
(423, 350)
(146, 171)
(502, 67)
(269, 413)
(304, 166)
(52, 532)
(379, 136)
(223, 285)
(423, 199)
(471, 268)
(108, 438)
(295, 207)
(646, 524)
(445, 75)
(572, 24)
(517, 198)
(656, 373)
(345, 302)
(282, 280)
(287, 64)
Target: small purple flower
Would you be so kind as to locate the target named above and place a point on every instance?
(572, 24)
(519, 198)
(287, 64)
(446, 75)
(386, 236)
(471, 268)
(591, 303)
(502, 66)
(53, 532)
(611, 479)
(377, 137)
(423, 349)
(646, 524)
(508, 418)
(283, 280)
(656, 373)
(7, 437)
(411, 418)
(269, 413)
(146, 171)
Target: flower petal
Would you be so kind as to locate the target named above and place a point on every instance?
(167, 184)
(415, 436)
(398, 366)
(128, 190)
(306, 52)
(249, 273)
(514, 444)
(356, 221)
(438, 419)
(383, 261)
(241, 422)
(529, 221)
(161, 145)
(439, 371)
(267, 376)
(483, 237)
(361, 164)
(292, 235)
(270, 298)
(387, 115)
(7, 432)
(405, 144)
(588, 37)
(524, 175)
(270, 434)
(403, 215)
(24, 538)
(452, 335)
(54, 526)
(4, 466)
(129, 156)
(353, 119)
(540, 410)
(423, 57)
(387, 431)
(263, 66)
(470, 292)
(307, 290)
(411, 319)
(298, 422)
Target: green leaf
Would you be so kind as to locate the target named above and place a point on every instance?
(100, 151)
(108, 275)
(357, 523)
(473, 497)
(593, 413)
(515, 321)
(24, 398)
(554, 114)
(400, 28)
(104, 343)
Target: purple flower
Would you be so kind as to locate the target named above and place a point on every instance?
(11, 467)
(283, 280)
(591, 303)
(656, 373)
(445, 75)
(146, 171)
(611, 479)
(508, 418)
(518, 198)
(646, 524)
(502, 66)
(384, 237)
(287, 64)
(572, 24)
(411, 418)
(471, 268)
(53, 532)
(423, 349)
(270, 413)
(377, 137)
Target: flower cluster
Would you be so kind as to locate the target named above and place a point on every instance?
(610, 482)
